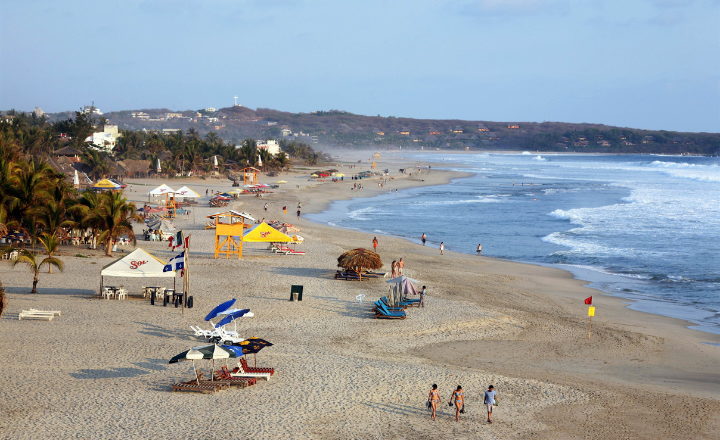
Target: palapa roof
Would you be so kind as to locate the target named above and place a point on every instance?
(68, 151)
(360, 259)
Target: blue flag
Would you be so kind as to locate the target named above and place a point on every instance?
(175, 263)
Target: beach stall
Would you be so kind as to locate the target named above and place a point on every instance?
(108, 185)
(160, 191)
(137, 264)
(186, 193)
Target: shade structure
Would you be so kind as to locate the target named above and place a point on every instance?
(359, 259)
(219, 309)
(230, 318)
(161, 190)
(137, 264)
(186, 193)
(253, 345)
(211, 351)
(163, 225)
(265, 233)
(281, 182)
(339, 175)
(108, 184)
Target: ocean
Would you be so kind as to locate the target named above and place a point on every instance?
(642, 227)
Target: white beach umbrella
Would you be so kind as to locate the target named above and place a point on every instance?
(76, 179)
(259, 161)
(215, 161)
(158, 166)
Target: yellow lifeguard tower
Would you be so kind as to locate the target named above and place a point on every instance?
(373, 165)
(170, 207)
(378, 155)
(229, 225)
(250, 176)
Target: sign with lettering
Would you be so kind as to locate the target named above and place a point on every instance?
(135, 264)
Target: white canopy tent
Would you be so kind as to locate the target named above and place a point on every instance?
(137, 264)
(161, 191)
(186, 192)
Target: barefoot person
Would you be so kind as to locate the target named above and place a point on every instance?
(479, 249)
(422, 296)
(459, 400)
(490, 401)
(375, 243)
(434, 399)
(400, 267)
(423, 238)
(393, 269)
(442, 247)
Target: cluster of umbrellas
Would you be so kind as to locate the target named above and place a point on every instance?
(213, 351)
(401, 288)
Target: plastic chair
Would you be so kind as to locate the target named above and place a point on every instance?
(360, 298)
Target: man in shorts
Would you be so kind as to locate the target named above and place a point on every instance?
(490, 401)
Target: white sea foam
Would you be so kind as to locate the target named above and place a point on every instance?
(539, 158)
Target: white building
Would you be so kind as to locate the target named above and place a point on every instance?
(210, 109)
(106, 139)
(270, 145)
(91, 109)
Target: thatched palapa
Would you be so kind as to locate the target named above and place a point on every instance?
(359, 259)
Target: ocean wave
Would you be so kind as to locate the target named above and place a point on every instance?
(526, 153)
(539, 158)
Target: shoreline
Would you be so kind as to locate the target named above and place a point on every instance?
(519, 326)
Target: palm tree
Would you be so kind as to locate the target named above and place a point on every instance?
(29, 258)
(51, 244)
(94, 160)
(88, 203)
(113, 215)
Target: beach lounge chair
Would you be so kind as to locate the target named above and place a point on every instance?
(225, 375)
(240, 372)
(194, 387)
(384, 313)
(36, 314)
(250, 369)
(379, 304)
(53, 312)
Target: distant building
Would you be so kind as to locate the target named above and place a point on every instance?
(70, 153)
(457, 130)
(90, 109)
(433, 132)
(210, 109)
(379, 132)
(169, 131)
(648, 139)
(481, 127)
(106, 139)
(140, 115)
(38, 112)
(285, 132)
(513, 127)
(173, 115)
(492, 136)
(405, 132)
(581, 144)
(272, 146)
(604, 143)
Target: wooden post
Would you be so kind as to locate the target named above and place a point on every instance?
(590, 328)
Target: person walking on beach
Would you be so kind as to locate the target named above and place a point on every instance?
(375, 243)
(266, 207)
(423, 292)
(490, 401)
(393, 269)
(400, 267)
(459, 400)
(442, 247)
(298, 211)
(423, 238)
(434, 399)
(479, 249)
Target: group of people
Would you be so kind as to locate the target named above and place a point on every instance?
(442, 245)
(396, 268)
(458, 400)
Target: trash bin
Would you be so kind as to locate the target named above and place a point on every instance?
(152, 298)
(165, 301)
(190, 302)
(296, 293)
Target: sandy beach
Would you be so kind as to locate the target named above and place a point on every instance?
(101, 370)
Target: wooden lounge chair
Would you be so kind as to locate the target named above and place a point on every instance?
(224, 375)
(36, 314)
(240, 372)
(379, 304)
(250, 369)
(194, 387)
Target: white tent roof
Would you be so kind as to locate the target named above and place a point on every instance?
(186, 192)
(137, 264)
(160, 190)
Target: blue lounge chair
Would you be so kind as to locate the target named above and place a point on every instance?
(384, 313)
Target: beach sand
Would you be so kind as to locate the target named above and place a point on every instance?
(100, 370)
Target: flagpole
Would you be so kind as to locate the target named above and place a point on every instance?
(590, 328)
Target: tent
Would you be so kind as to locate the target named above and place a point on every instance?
(186, 192)
(161, 190)
(107, 184)
(137, 264)
(265, 233)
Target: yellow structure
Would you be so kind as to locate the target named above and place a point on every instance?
(229, 229)
(170, 207)
(264, 233)
(373, 166)
(378, 155)
(250, 176)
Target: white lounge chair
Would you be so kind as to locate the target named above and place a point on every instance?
(241, 373)
(36, 314)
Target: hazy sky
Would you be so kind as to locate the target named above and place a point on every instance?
(639, 63)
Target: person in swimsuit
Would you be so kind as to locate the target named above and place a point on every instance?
(459, 399)
(434, 399)
(375, 243)
(442, 247)
(423, 239)
(393, 268)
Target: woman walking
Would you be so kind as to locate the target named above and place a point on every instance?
(393, 269)
(375, 243)
(423, 239)
(442, 247)
(479, 249)
(459, 400)
(434, 399)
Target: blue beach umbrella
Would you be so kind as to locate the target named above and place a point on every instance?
(237, 349)
(230, 318)
(221, 308)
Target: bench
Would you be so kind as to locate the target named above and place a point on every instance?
(38, 314)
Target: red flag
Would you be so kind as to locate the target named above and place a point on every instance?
(588, 300)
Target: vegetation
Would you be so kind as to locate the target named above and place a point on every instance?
(35, 264)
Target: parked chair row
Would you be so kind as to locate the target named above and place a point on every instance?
(46, 315)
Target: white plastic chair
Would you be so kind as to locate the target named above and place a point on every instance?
(360, 298)
(107, 293)
(122, 294)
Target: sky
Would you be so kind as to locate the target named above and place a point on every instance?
(652, 64)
